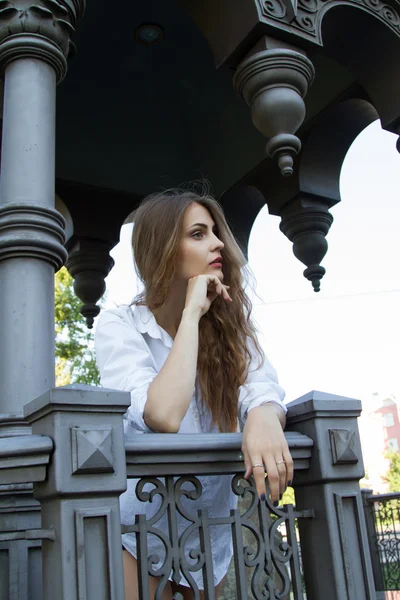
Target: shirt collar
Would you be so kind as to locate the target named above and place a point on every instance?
(145, 322)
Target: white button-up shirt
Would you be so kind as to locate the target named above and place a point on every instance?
(131, 349)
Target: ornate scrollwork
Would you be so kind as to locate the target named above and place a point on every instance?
(273, 8)
(270, 557)
(387, 515)
(261, 548)
(308, 14)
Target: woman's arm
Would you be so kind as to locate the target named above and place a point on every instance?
(125, 363)
(171, 391)
(264, 443)
(262, 410)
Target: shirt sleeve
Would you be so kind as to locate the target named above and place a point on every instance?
(261, 387)
(125, 363)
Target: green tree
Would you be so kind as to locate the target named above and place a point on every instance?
(288, 497)
(75, 358)
(393, 474)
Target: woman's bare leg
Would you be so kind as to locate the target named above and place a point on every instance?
(131, 580)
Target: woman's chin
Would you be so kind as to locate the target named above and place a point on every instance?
(216, 271)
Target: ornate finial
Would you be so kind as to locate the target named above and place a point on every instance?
(273, 83)
(89, 264)
(284, 147)
(306, 222)
(315, 273)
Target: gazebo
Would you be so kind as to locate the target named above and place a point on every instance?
(263, 98)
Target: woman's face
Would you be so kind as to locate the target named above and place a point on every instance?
(199, 245)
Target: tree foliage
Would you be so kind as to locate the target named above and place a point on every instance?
(288, 497)
(75, 358)
(393, 474)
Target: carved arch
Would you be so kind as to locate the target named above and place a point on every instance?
(303, 200)
(311, 14)
(306, 219)
(326, 145)
(371, 52)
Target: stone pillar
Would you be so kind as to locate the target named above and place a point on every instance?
(335, 550)
(80, 497)
(31, 231)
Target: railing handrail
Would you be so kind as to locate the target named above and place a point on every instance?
(199, 453)
(192, 442)
(24, 458)
(382, 497)
(24, 445)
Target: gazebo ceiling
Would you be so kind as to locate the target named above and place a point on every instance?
(135, 117)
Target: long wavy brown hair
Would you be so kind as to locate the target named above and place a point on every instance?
(226, 331)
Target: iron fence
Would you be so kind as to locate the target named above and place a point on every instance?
(61, 484)
(382, 514)
(266, 559)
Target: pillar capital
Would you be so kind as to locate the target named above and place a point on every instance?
(331, 422)
(20, 22)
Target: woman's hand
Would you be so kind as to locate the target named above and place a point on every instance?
(264, 444)
(202, 291)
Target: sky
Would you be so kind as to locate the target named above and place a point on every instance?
(345, 339)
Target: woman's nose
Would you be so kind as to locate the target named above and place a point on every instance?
(218, 244)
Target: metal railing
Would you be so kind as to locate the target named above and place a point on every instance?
(382, 515)
(77, 463)
(266, 560)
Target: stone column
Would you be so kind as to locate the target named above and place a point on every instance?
(31, 231)
(80, 496)
(335, 550)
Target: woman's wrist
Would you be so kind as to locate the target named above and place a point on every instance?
(191, 315)
(270, 409)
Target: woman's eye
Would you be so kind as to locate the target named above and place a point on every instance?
(196, 234)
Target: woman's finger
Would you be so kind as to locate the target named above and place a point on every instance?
(259, 476)
(247, 464)
(226, 295)
(281, 468)
(289, 467)
(273, 479)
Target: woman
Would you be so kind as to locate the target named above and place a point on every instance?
(188, 353)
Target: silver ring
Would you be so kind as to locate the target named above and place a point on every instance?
(280, 462)
(254, 466)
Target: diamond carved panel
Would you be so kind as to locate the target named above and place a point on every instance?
(92, 450)
(342, 446)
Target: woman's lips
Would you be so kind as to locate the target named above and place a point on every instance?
(218, 265)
